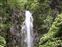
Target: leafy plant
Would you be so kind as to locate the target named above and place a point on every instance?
(2, 42)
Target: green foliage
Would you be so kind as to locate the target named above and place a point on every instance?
(54, 30)
(47, 22)
(2, 42)
(53, 42)
(43, 15)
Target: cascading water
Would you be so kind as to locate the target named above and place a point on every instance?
(27, 30)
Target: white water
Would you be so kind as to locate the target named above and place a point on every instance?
(27, 29)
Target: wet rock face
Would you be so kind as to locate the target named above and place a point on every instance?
(14, 37)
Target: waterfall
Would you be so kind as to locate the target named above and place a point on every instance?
(27, 29)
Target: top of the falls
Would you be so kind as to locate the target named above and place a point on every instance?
(28, 13)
